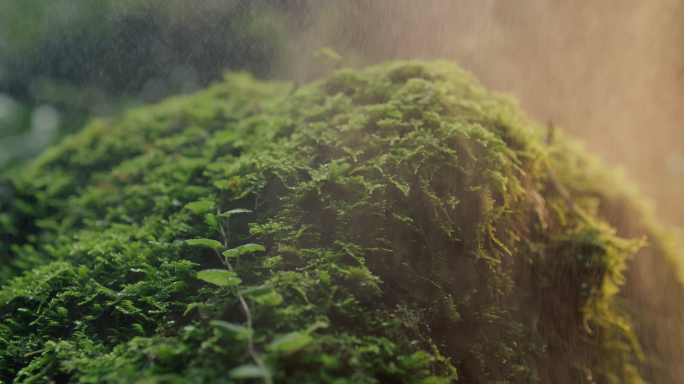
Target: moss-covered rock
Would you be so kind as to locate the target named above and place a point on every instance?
(397, 224)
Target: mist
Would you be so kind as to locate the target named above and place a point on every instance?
(609, 72)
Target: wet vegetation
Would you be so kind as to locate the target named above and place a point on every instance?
(397, 224)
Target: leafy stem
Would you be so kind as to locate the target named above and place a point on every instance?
(250, 340)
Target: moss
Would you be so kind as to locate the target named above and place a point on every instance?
(407, 230)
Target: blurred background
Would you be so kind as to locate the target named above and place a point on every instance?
(611, 72)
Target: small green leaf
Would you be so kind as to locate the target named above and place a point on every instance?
(257, 291)
(234, 211)
(231, 253)
(265, 294)
(213, 244)
(239, 331)
(317, 325)
(222, 184)
(271, 299)
(248, 371)
(250, 248)
(200, 206)
(241, 250)
(210, 219)
(290, 342)
(220, 277)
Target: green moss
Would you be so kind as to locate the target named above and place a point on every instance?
(412, 234)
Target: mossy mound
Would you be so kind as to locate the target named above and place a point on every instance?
(397, 224)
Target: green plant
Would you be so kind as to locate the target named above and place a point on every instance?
(408, 227)
(228, 278)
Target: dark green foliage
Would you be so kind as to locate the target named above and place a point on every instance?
(391, 225)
